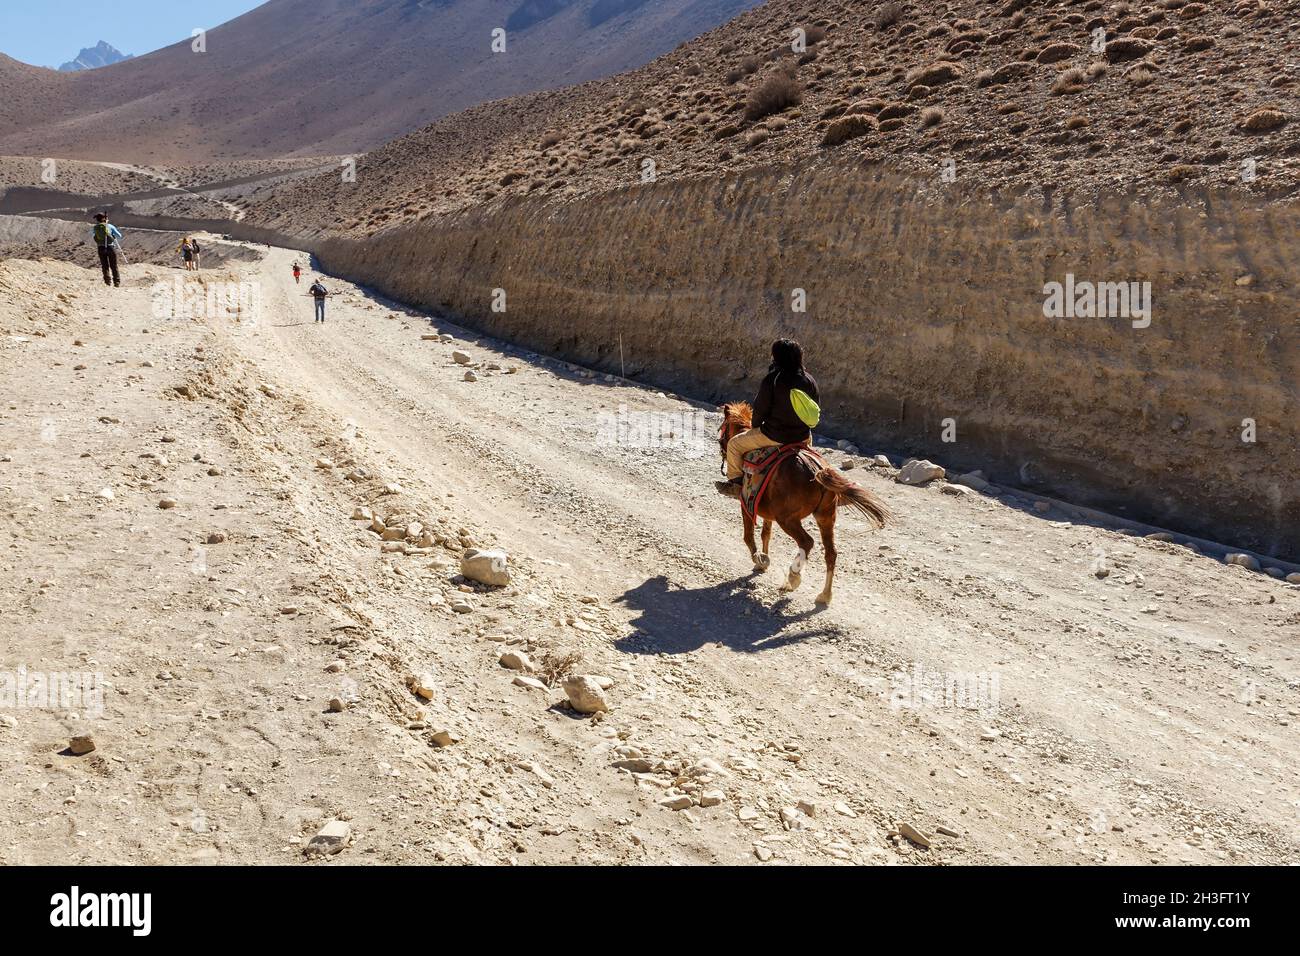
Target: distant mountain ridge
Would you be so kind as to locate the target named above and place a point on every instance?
(92, 58)
(334, 77)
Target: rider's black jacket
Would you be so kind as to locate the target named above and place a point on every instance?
(774, 412)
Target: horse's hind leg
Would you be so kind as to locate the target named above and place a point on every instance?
(794, 529)
(826, 522)
(760, 560)
(767, 539)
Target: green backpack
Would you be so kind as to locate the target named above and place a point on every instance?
(102, 236)
(809, 411)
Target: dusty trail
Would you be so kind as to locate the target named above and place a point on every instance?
(1116, 694)
(1140, 717)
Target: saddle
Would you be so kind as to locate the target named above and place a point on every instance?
(759, 466)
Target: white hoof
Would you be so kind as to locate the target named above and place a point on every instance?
(796, 571)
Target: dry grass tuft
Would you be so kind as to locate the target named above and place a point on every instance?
(889, 14)
(1264, 120)
(1141, 75)
(557, 665)
(849, 127)
(1069, 82)
(778, 92)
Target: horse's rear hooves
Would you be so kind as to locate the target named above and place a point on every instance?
(762, 562)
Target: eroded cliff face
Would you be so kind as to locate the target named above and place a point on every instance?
(923, 305)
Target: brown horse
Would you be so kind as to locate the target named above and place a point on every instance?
(797, 490)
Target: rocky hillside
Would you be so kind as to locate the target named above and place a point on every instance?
(329, 77)
(1158, 95)
(923, 174)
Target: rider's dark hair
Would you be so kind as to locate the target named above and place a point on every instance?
(787, 356)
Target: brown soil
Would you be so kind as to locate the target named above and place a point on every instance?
(1144, 716)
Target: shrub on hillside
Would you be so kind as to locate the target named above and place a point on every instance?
(931, 116)
(1141, 75)
(888, 15)
(847, 128)
(1070, 81)
(778, 92)
(1264, 120)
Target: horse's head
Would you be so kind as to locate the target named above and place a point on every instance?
(736, 418)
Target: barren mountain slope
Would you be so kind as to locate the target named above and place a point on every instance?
(1001, 94)
(313, 77)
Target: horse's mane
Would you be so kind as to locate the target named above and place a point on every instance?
(738, 412)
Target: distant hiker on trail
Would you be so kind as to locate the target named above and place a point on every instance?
(297, 274)
(106, 239)
(319, 292)
(194, 247)
(186, 249)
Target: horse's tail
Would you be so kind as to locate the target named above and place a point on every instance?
(849, 495)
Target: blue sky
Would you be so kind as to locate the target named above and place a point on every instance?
(48, 34)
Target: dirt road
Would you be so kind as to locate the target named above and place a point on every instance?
(1119, 699)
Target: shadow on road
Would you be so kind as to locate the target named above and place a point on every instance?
(676, 620)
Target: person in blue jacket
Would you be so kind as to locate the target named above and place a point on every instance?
(106, 238)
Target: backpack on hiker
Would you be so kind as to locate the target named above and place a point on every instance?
(809, 412)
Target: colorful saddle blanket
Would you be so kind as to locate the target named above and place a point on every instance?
(759, 466)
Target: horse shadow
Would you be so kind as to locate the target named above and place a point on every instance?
(678, 620)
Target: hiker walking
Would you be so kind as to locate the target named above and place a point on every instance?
(319, 293)
(186, 249)
(106, 239)
(194, 248)
(297, 274)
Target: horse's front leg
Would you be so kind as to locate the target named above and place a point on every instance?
(767, 540)
(760, 560)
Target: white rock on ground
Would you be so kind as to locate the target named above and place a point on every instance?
(974, 480)
(422, 686)
(516, 661)
(487, 567)
(331, 839)
(585, 694)
(913, 834)
(1247, 561)
(918, 472)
